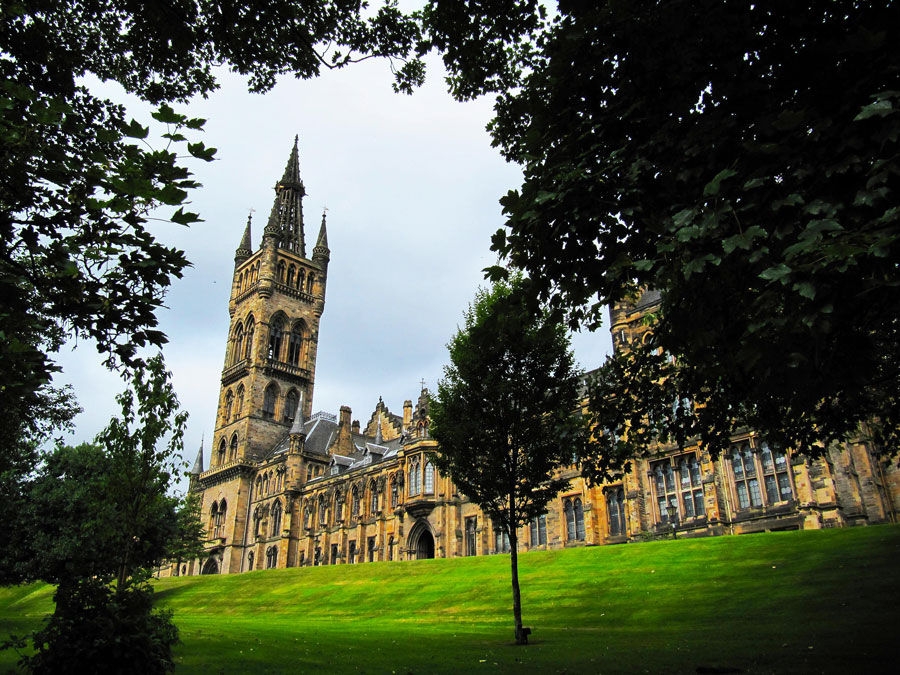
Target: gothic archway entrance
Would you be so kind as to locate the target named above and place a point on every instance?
(210, 567)
(421, 541)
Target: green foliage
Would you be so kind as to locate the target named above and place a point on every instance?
(94, 520)
(111, 630)
(80, 179)
(742, 158)
(507, 411)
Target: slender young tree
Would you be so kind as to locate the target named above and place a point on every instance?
(507, 413)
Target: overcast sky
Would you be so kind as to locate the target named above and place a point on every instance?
(412, 187)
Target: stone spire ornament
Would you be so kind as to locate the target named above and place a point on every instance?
(297, 426)
(198, 463)
(245, 249)
(379, 440)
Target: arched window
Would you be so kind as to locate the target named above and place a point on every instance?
(233, 454)
(266, 484)
(373, 499)
(745, 478)
(258, 486)
(276, 334)
(415, 477)
(310, 283)
(390, 548)
(221, 455)
(276, 519)
(250, 561)
(336, 509)
(307, 518)
(290, 276)
(281, 272)
(395, 493)
(237, 348)
(301, 279)
(354, 503)
(429, 478)
(501, 541)
(323, 512)
(229, 402)
(268, 409)
(571, 528)
(295, 345)
(271, 557)
(248, 347)
(690, 487)
(539, 530)
(615, 509)
(239, 408)
(579, 520)
(220, 519)
(471, 525)
(290, 405)
(213, 519)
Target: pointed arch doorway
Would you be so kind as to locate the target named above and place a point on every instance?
(421, 541)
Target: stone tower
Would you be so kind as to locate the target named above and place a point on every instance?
(277, 300)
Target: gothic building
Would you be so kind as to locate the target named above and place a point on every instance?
(288, 488)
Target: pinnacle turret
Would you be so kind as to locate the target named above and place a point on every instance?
(245, 248)
(321, 249)
(297, 426)
(198, 463)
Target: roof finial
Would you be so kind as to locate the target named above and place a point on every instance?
(320, 250)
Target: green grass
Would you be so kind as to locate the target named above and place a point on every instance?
(793, 602)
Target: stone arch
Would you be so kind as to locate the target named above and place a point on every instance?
(420, 542)
(211, 566)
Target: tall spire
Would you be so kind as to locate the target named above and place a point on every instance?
(286, 219)
(245, 249)
(198, 463)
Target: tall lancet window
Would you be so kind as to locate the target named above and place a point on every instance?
(295, 345)
(237, 351)
(290, 405)
(248, 346)
(276, 334)
(268, 409)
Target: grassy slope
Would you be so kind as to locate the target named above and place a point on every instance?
(821, 601)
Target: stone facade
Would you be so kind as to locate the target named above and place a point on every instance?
(288, 488)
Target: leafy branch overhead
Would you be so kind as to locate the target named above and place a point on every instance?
(742, 158)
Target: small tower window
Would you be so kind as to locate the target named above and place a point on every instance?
(310, 283)
(281, 272)
(295, 345)
(237, 349)
(271, 393)
(290, 275)
(240, 401)
(229, 402)
(276, 334)
(234, 447)
(301, 279)
(248, 348)
(290, 405)
(221, 456)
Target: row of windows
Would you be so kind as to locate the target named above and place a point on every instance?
(270, 402)
(295, 277)
(286, 344)
(269, 483)
(217, 519)
(267, 522)
(289, 275)
(354, 555)
(759, 476)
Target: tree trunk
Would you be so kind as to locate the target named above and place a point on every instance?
(521, 635)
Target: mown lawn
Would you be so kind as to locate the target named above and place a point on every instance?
(792, 602)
